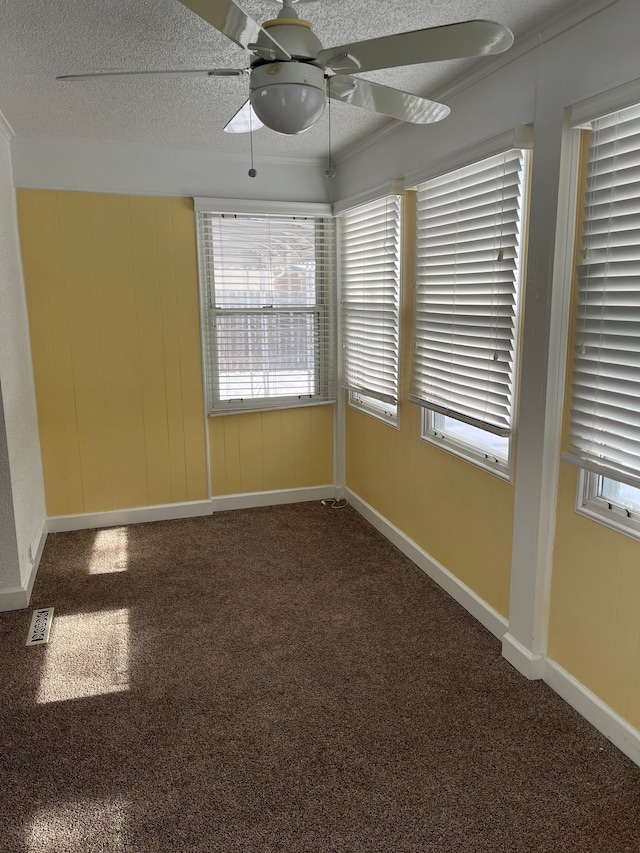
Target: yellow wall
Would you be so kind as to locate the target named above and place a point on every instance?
(112, 291)
(462, 516)
(594, 618)
(594, 627)
(257, 452)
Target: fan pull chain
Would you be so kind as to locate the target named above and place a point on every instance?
(330, 172)
(252, 172)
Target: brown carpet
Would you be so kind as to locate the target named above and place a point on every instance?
(282, 680)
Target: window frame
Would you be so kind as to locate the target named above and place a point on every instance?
(436, 436)
(357, 398)
(323, 309)
(588, 502)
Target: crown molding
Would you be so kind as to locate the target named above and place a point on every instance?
(605, 102)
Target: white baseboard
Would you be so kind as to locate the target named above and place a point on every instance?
(192, 509)
(614, 727)
(527, 664)
(17, 598)
(476, 606)
(120, 517)
(247, 500)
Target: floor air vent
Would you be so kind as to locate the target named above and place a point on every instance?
(40, 626)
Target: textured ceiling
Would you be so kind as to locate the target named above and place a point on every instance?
(40, 39)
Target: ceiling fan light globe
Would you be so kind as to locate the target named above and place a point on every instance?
(288, 97)
(288, 108)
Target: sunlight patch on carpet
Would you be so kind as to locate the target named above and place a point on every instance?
(87, 655)
(83, 825)
(110, 551)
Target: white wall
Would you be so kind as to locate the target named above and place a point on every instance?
(22, 505)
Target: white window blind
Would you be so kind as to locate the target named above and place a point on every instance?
(370, 297)
(267, 285)
(469, 235)
(604, 435)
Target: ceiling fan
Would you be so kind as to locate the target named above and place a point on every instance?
(291, 75)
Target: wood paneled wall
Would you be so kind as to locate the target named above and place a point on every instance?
(287, 449)
(112, 292)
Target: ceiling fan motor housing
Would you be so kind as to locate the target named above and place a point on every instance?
(288, 95)
(294, 34)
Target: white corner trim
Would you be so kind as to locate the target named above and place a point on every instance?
(36, 559)
(17, 597)
(527, 664)
(120, 517)
(5, 128)
(466, 597)
(248, 500)
(614, 727)
(14, 598)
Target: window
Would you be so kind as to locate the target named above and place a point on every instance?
(604, 430)
(470, 442)
(370, 301)
(267, 282)
(610, 502)
(469, 270)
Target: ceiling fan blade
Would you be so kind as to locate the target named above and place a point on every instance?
(470, 38)
(198, 72)
(385, 100)
(235, 24)
(244, 121)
